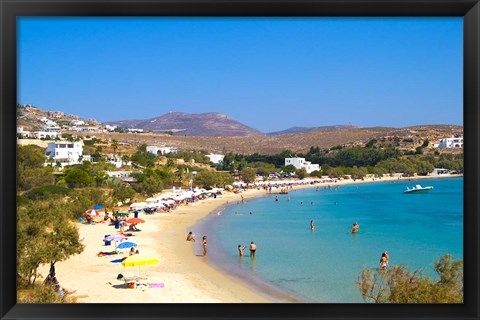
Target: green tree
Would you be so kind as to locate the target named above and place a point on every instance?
(358, 173)
(248, 174)
(211, 179)
(122, 191)
(44, 235)
(398, 285)
(301, 173)
(85, 198)
(150, 185)
(31, 171)
(77, 178)
(289, 168)
(114, 146)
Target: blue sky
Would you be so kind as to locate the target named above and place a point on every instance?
(268, 73)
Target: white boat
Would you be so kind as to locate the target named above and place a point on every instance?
(418, 189)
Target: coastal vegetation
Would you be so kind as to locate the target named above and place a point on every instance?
(51, 198)
(399, 285)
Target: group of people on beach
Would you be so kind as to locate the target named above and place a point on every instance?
(191, 237)
(252, 248)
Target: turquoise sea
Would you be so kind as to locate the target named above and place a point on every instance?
(321, 266)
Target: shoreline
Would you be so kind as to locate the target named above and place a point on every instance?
(188, 277)
(259, 285)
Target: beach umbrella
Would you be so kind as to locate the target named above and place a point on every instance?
(151, 200)
(139, 260)
(121, 214)
(135, 220)
(92, 212)
(126, 245)
(114, 238)
(98, 206)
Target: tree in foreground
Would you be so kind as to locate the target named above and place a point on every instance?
(398, 285)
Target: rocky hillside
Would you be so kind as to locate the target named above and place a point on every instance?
(306, 129)
(404, 138)
(29, 117)
(187, 124)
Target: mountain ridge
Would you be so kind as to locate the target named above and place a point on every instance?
(191, 124)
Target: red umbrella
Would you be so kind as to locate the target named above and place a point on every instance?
(92, 212)
(135, 220)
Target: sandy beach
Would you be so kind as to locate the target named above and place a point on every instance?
(186, 275)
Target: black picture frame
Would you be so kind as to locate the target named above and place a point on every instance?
(11, 9)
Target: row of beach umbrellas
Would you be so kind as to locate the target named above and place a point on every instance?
(136, 260)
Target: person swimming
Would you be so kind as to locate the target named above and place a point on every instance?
(355, 227)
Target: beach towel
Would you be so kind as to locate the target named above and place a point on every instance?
(156, 285)
(106, 253)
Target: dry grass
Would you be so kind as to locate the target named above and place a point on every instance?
(297, 142)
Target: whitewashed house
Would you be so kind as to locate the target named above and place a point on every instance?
(110, 128)
(450, 143)
(44, 134)
(216, 158)
(300, 163)
(161, 150)
(77, 123)
(22, 133)
(119, 174)
(439, 171)
(65, 152)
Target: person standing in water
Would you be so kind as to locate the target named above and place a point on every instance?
(384, 261)
(240, 250)
(204, 244)
(355, 227)
(312, 225)
(253, 248)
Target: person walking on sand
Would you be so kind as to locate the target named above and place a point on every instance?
(253, 248)
(204, 244)
(240, 250)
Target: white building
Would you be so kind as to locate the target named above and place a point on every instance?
(110, 128)
(216, 158)
(69, 152)
(300, 163)
(450, 143)
(22, 133)
(77, 123)
(85, 129)
(439, 171)
(119, 174)
(161, 150)
(44, 134)
(52, 129)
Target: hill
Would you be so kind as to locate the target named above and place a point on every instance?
(187, 124)
(29, 117)
(405, 138)
(306, 129)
